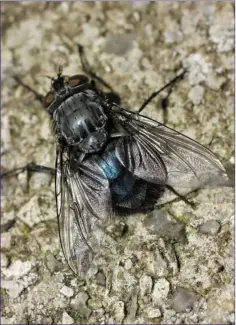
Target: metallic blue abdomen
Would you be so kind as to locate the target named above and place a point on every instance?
(122, 182)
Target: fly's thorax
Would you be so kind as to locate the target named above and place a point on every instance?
(81, 121)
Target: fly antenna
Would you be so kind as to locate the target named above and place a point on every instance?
(60, 70)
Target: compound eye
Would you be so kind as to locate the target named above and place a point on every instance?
(77, 80)
(48, 99)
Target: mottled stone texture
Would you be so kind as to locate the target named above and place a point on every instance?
(137, 47)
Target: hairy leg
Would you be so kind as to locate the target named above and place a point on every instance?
(29, 168)
(111, 95)
(37, 95)
(165, 100)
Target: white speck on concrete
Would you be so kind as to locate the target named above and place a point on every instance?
(17, 269)
(196, 94)
(198, 68)
(13, 288)
(6, 240)
(119, 311)
(128, 264)
(34, 212)
(66, 291)
(4, 260)
(160, 291)
(145, 284)
(67, 319)
(153, 312)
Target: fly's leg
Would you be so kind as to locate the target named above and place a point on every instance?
(29, 168)
(37, 95)
(181, 197)
(88, 70)
(165, 100)
(112, 96)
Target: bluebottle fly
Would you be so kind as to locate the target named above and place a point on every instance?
(111, 159)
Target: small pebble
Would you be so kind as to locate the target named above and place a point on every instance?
(17, 269)
(131, 309)
(128, 264)
(100, 279)
(67, 319)
(79, 304)
(119, 44)
(159, 223)
(210, 227)
(119, 311)
(160, 291)
(183, 299)
(52, 263)
(66, 291)
(13, 288)
(6, 240)
(145, 284)
(153, 312)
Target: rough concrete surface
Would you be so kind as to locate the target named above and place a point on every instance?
(181, 274)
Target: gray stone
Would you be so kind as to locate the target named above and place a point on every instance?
(119, 44)
(100, 279)
(131, 309)
(183, 299)
(210, 227)
(52, 263)
(79, 304)
(161, 224)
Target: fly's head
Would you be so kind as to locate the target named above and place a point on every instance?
(62, 87)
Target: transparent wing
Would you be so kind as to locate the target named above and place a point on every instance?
(83, 205)
(141, 159)
(188, 164)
